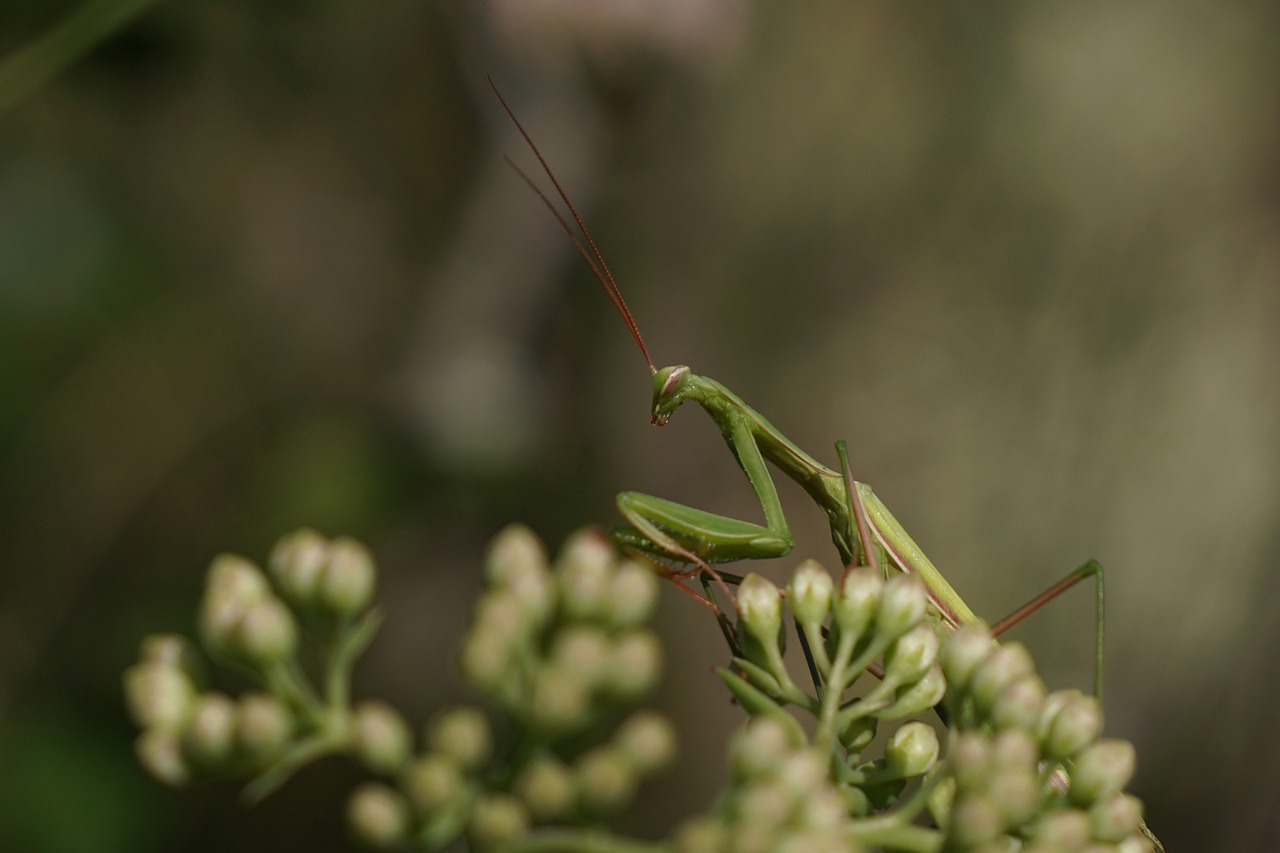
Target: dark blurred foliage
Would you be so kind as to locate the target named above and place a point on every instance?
(262, 265)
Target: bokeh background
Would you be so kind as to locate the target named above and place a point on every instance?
(262, 265)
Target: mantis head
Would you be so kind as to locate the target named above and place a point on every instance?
(670, 387)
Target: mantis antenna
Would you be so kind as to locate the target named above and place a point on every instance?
(595, 260)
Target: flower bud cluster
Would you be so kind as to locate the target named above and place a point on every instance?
(848, 627)
(559, 646)
(247, 620)
(1029, 767)
(328, 575)
(188, 733)
(556, 645)
(782, 799)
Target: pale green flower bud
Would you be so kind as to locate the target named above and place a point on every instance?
(860, 732)
(809, 593)
(346, 585)
(160, 754)
(1074, 727)
(648, 741)
(380, 736)
(912, 654)
(976, 819)
(702, 835)
(636, 663)
(266, 632)
(210, 736)
(912, 751)
(760, 609)
(464, 734)
(237, 578)
(917, 698)
(486, 660)
(902, 605)
(547, 788)
(583, 649)
(854, 608)
(1007, 664)
(1067, 828)
(1014, 748)
(758, 746)
(802, 772)
(1115, 818)
(1020, 705)
(1101, 769)
(172, 650)
(633, 595)
(516, 549)
(433, 783)
(1136, 843)
(585, 568)
(297, 562)
(560, 700)
(1017, 791)
(961, 656)
(764, 807)
(606, 779)
(158, 695)
(219, 621)
(823, 810)
(971, 760)
(378, 816)
(497, 819)
(263, 726)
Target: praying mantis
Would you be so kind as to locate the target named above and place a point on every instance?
(863, 529)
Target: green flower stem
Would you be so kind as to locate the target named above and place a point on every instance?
(304, 752)
(837, 681)
(584, 841)
(890, 832)
(29, 67)
(818, 646)
(286, 681)
(350, 641)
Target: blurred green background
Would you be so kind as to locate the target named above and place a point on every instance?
(262, 265)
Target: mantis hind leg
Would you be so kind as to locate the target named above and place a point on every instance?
(1091, 569)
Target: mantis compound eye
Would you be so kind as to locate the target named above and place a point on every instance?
(669, 387)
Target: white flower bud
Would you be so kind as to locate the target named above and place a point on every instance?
(967, 648)
(380, 736)
(433, 783)
(902, 605)
(346, 584)
(647, 739)
(633, 595)
(210, 736)
(160, 753)
(514, 549)
(855, 605)
(606, 779)
(1101, 769)
(760, 609)
(547, 788)
(464, 734)
(378, 815)
(635, 664)
(809, 593)
(266, 632)
(158, 695)
(912, 751)
(297, 562)
(497, 819)
(912, 654)
(263, 726)
(1076, 725)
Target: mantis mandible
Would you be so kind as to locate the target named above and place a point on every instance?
(862, 528)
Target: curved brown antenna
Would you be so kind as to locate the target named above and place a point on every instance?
(595, 260)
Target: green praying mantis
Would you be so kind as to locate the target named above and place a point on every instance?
(862, 528)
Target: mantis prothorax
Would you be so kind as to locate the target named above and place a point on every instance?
(862, 528)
